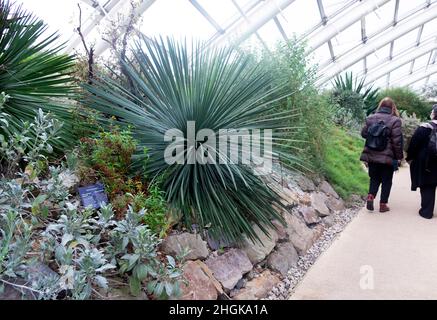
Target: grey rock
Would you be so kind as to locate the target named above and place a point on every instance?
(258, 250)
(300, 234)
(329, 221)
(175, 244)
(335, 204)
(216, 244)
(288, 197)
(306, 184)
(283, 258)
(309, 215)
(200, 285)
(318, 202)
(328, 189)
(259, 287)
(241, 283)
(229, 267)
(280, 230)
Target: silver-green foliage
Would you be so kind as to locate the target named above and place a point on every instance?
(85, 246)
(30, 144)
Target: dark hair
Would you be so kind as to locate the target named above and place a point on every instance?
(389, 103)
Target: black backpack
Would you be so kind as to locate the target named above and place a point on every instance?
(432, 145)
(377, 136)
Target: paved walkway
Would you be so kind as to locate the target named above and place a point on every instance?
(398, 247)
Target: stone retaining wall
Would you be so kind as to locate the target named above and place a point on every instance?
(250, 271)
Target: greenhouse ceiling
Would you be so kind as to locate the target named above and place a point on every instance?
(390, 42)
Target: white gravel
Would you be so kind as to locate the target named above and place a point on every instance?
(286, 287)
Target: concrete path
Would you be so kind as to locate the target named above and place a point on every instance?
(393, 252)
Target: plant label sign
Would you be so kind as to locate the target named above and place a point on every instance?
(93, 195)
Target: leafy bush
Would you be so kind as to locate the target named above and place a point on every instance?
(33, 74)
(409, 101)
(342, 165)
(347, 109)
(109, 154)
(347, 83)
(307, 110)
(218, 89)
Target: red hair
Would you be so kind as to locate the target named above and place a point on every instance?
(389, 103)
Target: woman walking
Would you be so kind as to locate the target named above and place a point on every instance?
(421, 155)
(383, 150)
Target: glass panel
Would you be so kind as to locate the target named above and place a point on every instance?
(421, 62)
(400, 73)
(347, 39)
(332, 6)
(270, 34)
(321, 56)
(380, 18)
(405, 41)
(223, 11)
(406, 6)
(418, 85)
(61, 16)
(429, 29)
(356, 69)
(299, 17)
(374, 59)
(252, 44)
(175, 18)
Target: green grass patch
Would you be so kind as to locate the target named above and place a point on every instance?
(342, 166)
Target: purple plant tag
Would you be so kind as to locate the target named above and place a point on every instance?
(93, 195)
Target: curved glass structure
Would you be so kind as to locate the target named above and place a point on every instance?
(390, 42)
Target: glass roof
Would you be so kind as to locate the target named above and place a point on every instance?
(366, 37)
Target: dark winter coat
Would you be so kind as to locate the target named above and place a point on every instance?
(423, 171)
(393, 151)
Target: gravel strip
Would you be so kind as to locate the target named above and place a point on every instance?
(284, 289)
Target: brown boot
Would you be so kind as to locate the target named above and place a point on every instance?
(383, 207)
(369, 203)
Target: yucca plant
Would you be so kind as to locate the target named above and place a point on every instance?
(348, 83)
(33, 73)
(218, 88)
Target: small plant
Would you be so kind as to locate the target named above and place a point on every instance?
(109, 154)
(156, 209)
(30, 145)
(142, 261)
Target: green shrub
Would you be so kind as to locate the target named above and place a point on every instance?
(409, 101)
(342, 165)
(348, 109)
(347, 84)
(109, 154)
(309, 116)
(156, 209)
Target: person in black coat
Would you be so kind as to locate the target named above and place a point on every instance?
(423, 168)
